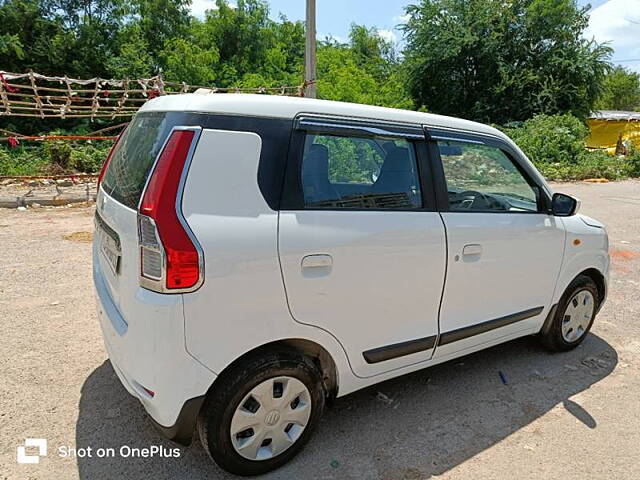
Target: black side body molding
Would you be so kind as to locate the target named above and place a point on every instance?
(466, 332)
(388, 352)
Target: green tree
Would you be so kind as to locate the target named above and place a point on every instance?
(11, 46)
(185, 61)
(161, 21)
(498, 61)
(363, 71)
(30, 40)
(91, 31)
(372, 52)
(132, 58)
(621, 91)
(250, 44)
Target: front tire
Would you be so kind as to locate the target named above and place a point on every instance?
(574, 316)
(261, 412)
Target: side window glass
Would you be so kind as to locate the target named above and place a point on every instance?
(359, 173)
(483, 178)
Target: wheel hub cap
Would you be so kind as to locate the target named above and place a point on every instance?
(270, 418)
(577, 315)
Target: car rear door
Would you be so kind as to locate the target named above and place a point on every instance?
(505, 248)
(124, 180)
(135, 317)
(362, 248)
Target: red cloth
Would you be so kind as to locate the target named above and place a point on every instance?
(6, 85)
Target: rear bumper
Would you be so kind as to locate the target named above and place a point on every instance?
(146, 349)
(182, 431)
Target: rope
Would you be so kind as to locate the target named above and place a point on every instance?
(58, 137)
(64, 97)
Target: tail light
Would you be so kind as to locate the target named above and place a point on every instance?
(105, 165)
(170, 260)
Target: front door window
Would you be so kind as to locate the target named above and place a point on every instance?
(482, 178)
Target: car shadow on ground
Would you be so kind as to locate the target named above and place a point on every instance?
(414, 426)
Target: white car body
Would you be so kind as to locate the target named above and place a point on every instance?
(339, 283)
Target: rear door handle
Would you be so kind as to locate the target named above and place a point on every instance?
(472, 249)
(317, 261)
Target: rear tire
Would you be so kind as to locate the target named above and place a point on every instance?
(261, 412)
(574, 316)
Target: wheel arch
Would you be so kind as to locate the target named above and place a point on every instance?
(599, 280)
(318, 354)
(601, 284)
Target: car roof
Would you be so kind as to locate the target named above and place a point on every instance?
(276, 106)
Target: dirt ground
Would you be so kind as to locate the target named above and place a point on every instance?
(39, 192)
(567, 416)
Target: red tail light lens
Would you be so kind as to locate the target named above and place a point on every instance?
(182, 269)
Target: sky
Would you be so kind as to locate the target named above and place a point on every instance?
(613, 21)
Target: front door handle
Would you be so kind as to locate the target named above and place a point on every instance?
(472, 249)
(317, 261)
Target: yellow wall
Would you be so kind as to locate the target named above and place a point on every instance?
(605, 133)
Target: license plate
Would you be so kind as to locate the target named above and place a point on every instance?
(109, 244)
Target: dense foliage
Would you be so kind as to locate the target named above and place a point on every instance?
(621, 91)
(556, 145)
(365, 70)
(230, 46)
(497, 61)
(522, 61)
(53, 158)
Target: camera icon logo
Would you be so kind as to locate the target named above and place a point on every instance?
(40, 443)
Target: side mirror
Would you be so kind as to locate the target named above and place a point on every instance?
(563, 205)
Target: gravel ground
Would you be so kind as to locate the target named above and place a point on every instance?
(568, 416)
(46, 192)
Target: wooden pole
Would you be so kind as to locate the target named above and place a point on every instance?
(310, 51)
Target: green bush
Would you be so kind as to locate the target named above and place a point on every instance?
(89, 158)
(556, 144)
(595, 164)
(21, 161)
(551, 138)
(53, 158)
(59, 153)
(634, 159)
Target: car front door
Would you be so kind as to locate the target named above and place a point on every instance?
(362, 249)
(504, 248)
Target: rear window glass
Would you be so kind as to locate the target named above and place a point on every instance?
(133, 158)
(359, 173)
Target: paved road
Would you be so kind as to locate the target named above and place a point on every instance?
(568, 416)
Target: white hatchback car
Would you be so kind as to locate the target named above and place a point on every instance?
(257, 256)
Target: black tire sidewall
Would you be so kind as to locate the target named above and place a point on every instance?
(221, 404)
(581, 283)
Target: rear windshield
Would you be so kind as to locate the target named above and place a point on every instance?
(133, 158)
